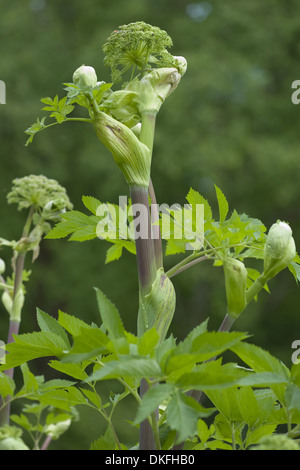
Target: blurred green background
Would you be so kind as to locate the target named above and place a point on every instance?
(231, 122)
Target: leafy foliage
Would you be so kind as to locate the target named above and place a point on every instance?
(174, 371)
(256, 399)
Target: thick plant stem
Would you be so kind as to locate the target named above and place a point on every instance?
(149, 255)
(147, 138)
(148, 129)
(14, 326)
(146, 274)
(144, 244)
(157, 242)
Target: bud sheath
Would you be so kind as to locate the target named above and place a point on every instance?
(235, 284)
(132, 156)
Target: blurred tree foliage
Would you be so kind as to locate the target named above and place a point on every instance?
(231, 122)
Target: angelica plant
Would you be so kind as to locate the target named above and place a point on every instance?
(44, 199)
(144, 48)
(166, 377)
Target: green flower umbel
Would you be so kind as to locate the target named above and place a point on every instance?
(138, 46)
(143, 48)
(46, 199)
(38, 191)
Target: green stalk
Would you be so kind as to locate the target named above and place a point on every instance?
(157, 242)
(14, 325)
(147, 129)
(146, 266)
(144, 246)
(256, 287)
(147, 137)
(149, 260)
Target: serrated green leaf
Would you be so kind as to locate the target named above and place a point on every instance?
(73, 370)
(7, 385)
(255, 436)
(89, 342)
(222, 203)
(262, 361)
(73, 221)
(151, 400)
(185, 345)
(292, 397)
(211, 376)
(71, 323)
(47, 340)
(295, 270)
(33, 345)
(225, 400)
(110, 315)
(263, 379)
(48, 323)
(254, 411)
(114, 253)
(182, 415)
(128, 366)
(259, 359)
(22, 421)
(175, 246)
(55, 384)
(147, 342)
(212, 343)
(58, 116)
(30, 382)
(193, 198)
(59, 109)
(34, 129)
(84, 234)
(202, 430)
(64, 399)
(91, 203)
(92, 396)
(105, 442)
(48, 100)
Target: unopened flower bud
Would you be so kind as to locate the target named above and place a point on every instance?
(57, 429)
(2, 266)
(181, 64)
(154, 88)
(17, 305)
(85, 76)
(157, 308)
(7, 302)
(280, 249)
(235, 285)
